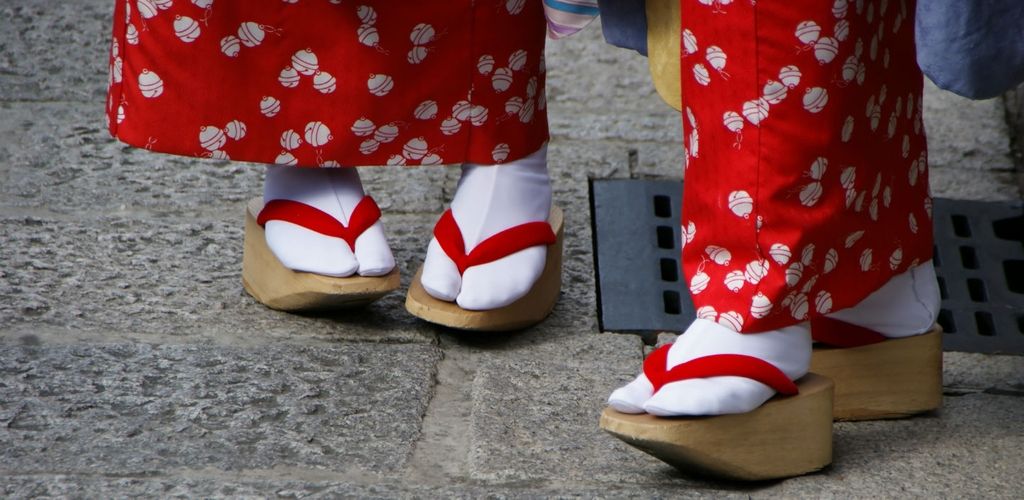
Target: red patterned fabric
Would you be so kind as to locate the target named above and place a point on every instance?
(366, 214)
(718, 365)
(834, 333)
(327, 82)
(500, 245)
(806, 182)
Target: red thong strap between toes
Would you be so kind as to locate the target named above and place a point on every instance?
(502, 244)
(656, 365)
(717, 365)
(835, 333)
(362, 217)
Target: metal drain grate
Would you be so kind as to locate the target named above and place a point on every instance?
(636, 253)
(979, 258)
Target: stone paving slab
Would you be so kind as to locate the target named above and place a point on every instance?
(524, 427)
(967, 372)
(54, 50)
(535, 404)
(966, 134)
(622, 84)
(965, 184)
(95, 272)
(972, 448)
(585, 123)
(875, 459)
(198, 486)
(94, 409)
(154, 279)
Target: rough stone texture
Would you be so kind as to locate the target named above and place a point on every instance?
(127, 409)
(621, 84)
(1015, 118)
(968, 449)
(287, 486)
(532, 408)
(964, 371)
(133, 364)
(967, 138)
(54, 50)
(962, 184)
(984, 146)
(152, 277)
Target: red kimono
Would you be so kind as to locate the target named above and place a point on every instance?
(329, 83)
(806, 185)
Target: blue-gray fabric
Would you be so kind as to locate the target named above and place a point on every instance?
(624, 23)
(975, 49)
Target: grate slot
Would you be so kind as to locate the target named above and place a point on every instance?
(673, 302)
(666, 238)
(961, 227)
(968, 257)
(669, 270)
(662, 206)
(986, 325)
(977, 290)
(943, 291)
(1014, 272)
(1010, 228)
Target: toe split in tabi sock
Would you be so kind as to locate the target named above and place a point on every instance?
(530, 309)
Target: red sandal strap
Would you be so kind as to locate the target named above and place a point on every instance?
(835, 333)
(656, 365)
(718, 365)
(500, 245)
(366, 214)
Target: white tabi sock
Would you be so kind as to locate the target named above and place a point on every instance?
(335, 191)
(907, 305)
(488, 200)
(788, 349)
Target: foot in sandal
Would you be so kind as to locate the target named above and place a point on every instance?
(905, 306)
(720, 383)
(490, 200)
(336, 192)
(787, 351)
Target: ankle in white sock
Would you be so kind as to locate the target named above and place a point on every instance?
(907, 305)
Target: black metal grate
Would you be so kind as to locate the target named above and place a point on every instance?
(979, 257)
(636, 248)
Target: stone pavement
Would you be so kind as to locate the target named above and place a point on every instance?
(133, 364)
